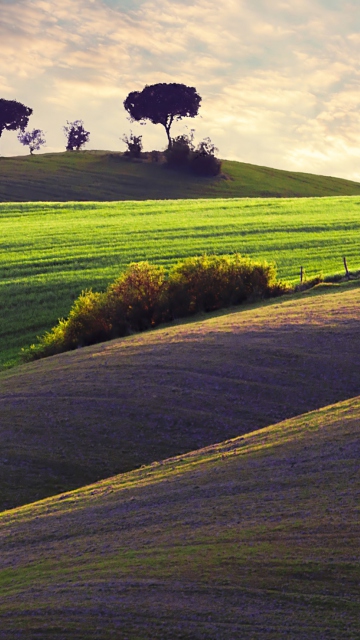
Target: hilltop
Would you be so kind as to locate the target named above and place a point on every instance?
(84, 415)
(256, 537)
(108, 176)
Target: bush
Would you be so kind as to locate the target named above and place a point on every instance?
(203, 161)
(178, 155)
(134, 145)
(87, 324)
(143, 297)
(135, 301)
(208, 283)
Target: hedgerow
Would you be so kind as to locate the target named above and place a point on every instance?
(144, 296)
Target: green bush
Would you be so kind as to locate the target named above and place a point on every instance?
(208, 283)
(135, 300)
(143, 297)
(88, 323)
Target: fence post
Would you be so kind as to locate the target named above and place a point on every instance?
(301, 274)
(346, 269)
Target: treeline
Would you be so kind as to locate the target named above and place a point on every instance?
(162, 103)
(144, 296)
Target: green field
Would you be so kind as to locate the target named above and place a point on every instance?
(106, 175)
(50, 252)
(256, 538)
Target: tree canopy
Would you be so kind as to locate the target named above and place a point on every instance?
(163, 103)
(13, 115)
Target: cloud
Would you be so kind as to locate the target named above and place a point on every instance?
(279, 79)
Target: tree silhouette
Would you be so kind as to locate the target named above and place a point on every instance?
(162, 104)
(13, 115)
(33, 139)
(76, 135)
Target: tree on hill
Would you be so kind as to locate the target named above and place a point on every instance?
(76, 135)
(33, 139)
(162, 104)
(13, 115)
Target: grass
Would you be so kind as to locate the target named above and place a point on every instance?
(104, 175)
(50, 252)
(88, 414)
(256, 537)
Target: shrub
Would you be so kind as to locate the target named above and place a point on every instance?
(143, 297)
(134, 145)
(136, 299)
(178, 155)
(88, 323)
(203, 161)
(208, 283)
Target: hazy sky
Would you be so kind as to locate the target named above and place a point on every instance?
(279, 79)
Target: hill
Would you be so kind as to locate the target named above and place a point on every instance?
(105, 175)
(81, 416)
(253, 538)
(50, 252)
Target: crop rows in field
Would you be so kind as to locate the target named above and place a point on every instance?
(50, 252)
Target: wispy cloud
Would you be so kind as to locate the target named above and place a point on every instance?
(279, 80)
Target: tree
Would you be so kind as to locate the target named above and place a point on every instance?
(162, 104)
(13, 115)
(33, 139)
(76, 135)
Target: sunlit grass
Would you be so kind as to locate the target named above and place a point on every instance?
(51, 252)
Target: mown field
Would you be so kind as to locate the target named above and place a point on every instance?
(256, 538)
(50, 252)
(90, 413)
(106, 175)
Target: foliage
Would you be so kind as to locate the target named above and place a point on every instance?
(203, 160)
(134, 145)
(208, 283)
(13, 115)
(179, 154)
(135, 300)
(87, 324)
(33, 139)
(163, 103)
(143, 297)
(76, 135)
(200, 160)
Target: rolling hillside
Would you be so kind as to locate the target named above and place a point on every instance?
(255, 538)
(105, 175)
(50, 252)
(81, 416)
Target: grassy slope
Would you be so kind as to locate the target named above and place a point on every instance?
(84, 415)
(50, 252)
(254, 538)
(109, 176)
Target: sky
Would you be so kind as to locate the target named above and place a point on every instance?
(279, 79)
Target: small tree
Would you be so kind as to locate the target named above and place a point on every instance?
(33, 139)
(76, 135)
(134, 145)
(13, 115)
(162, 104)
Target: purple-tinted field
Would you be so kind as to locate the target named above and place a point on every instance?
(256, 538)
(75, 418)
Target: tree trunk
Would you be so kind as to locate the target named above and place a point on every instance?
(167, 129)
